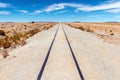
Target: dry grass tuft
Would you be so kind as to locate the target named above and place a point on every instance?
(81, 28)
(18, 38)
(32, 32)
(5, 43)
(89, 30)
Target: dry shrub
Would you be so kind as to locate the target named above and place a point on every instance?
(9, 41)
(112, 34)
(15, 38)
(5, 43)
(18, 38)
(22, 42)
(47, 28)
(32, 32)
(81, 28)
(71, 25)
(89, 30)
(5, 53)
(110, 30)
(50, 26)
(13, 45)
(2, 33)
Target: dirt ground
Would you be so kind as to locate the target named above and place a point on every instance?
(97, 59)
(11, 28)
(13, 35)
(107, 31)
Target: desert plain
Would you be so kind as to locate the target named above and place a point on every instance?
(24, 46)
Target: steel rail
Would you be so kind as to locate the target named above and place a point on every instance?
(46, 58)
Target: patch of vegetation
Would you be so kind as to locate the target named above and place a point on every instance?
(5, 53)
(15, 38)
(89, 30)
(81, 28)
(7, 41)
(2, 33)
(112, 34)
(32, 32)
(10, 42)
(71, 25)
(110, 30)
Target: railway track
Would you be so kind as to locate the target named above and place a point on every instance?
(75, 60)
(47, 56)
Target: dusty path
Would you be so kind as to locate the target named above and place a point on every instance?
(98, 60)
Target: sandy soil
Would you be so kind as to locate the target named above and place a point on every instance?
(13, 35)
(98, 60)
(109, 31)
(24, 63)
(12, 28)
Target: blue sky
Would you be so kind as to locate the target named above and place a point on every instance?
(59, 10)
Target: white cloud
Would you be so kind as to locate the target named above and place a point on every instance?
(63, 11)
(4, 5)
(60, 12)
(61, 6)
(81, 7)
(108, 6)
(104, 6)
(4, 12)
(54, 7)
(37, 12)
(22, 11)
